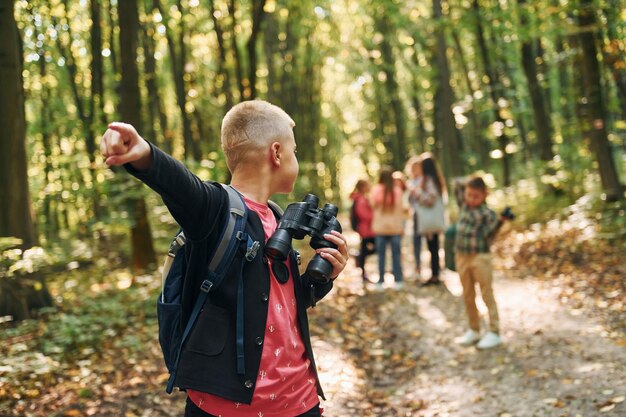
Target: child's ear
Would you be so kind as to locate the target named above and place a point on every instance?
(275, 153)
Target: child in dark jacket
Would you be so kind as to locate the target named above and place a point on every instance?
(280, 376)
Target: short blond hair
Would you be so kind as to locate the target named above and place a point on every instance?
(249, 127)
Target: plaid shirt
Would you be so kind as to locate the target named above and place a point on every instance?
(475, 228)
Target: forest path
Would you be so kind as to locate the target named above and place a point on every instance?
(392, 353)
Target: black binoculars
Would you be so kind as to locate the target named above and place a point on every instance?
(302, 219)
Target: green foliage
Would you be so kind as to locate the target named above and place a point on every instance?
(535, 200)
(9, 242)
(331, 74)
(534, 204)
(65, 255)
(89, 316)
(612, 219)
(18, 262)
(88, 325)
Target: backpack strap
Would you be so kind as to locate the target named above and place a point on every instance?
(231, 237)
(278, 211)
(177, 243)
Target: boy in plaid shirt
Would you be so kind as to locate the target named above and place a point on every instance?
(476, 226)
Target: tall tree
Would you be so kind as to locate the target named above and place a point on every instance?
(595, 110)
(420, 130)
(446, 133)
(111, 14)
(614, 50)
(143, 254)
(178, 59)
(86, 104)
(396, 141)
(17, 297)
(49, 227)
(270, 38)
(477, 141)
(258, 14)
(96, 104)
(97, 116)
(16, 217)
(156, 110)
(222, 68)
(494, 88)
(541, 117)
(234, 29)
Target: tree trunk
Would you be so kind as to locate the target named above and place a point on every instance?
(17, 296)
(86, 118)
(614, 52)
(232, 9)
(270, 39)
(96, 102)
(257, 19)
(494, 88)
(16, 217)
(177, 60)
(97, 83)
(159, 132)
(309, 85)
(541, 117)
(420, 130)
(192, 145)
(565, 98)
(222, 67)
(380, 119)
(478, 142)
(50, 226)
(112, 45)
(446, 133)
(398, 138)
(595, 113)
(143, 255)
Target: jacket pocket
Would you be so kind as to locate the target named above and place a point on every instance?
(168, 315)
(209, 334)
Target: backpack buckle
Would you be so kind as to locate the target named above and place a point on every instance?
(177, 243)
(206, 285)
(252, 250)
(252, 246)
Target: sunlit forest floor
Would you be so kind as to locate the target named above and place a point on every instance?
(389, 353)
(392, 354)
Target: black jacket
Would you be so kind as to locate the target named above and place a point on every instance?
(208, 359)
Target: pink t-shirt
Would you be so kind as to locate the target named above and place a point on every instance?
(286, 384)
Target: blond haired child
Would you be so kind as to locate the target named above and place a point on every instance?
(280, 377)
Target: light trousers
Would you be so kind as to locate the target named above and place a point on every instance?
(476, 268)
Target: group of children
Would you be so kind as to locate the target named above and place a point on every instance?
(425, 191)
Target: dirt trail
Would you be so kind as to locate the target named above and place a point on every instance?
(392, 353)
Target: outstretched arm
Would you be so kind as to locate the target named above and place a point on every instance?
(190, 200)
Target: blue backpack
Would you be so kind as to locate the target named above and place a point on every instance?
(172, 334)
